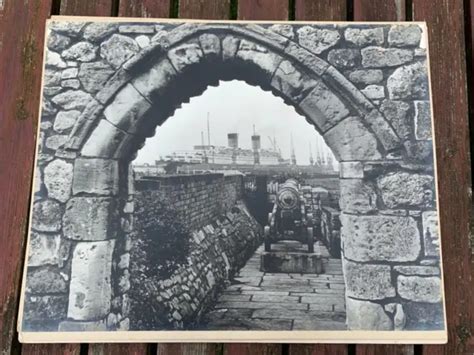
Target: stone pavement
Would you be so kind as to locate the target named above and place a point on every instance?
(264, 301)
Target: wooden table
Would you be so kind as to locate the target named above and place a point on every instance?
(451, 32)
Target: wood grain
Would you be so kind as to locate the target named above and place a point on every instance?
(86, 7)
(189, 349)
(318, 349)
(209, 9)
(48, 349)
(21, 53)
(449, 90)
(263, 10)
(321, 10)
(144, 8)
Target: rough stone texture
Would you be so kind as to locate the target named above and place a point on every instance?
(409, 82)
(95, 176)
(90, 218)
(350, 141)
(90, 287)
(419, 289)
(145, 28)
(54, 142)
(65, 120)
(185, 55)
(351, 170)
(422, 120)
(54, 60)
(386, 135)
(47, 216)
(430, 233)
(284, 30)
(43, 249)
(256, 55)
(74, 326)
(365, 238)
(94, 75)
(57, 42)
(374, 92)
(323, 107)
(45, 280)
(71, 28)
(107, 141)
(71, 84)
(397, 112)
(58, 179)
(118, 49)
(155, 80)
(357, 196)
(142, 40)
(210, 44)
(367, 76)
(344, 58)
(290, 82)
(97, 31)
(69, 73)
(317, 40)
(370, 282)
(72, 99)
(365, 315)
(404, 35)
(424, 316)
(127, 108)
(402, 189)
(364, 37)
(379, 57)
(417, 270)
(82, 52)
(49, 307)
(399, 319)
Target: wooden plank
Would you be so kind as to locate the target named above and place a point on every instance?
(376, 10)
(144, 8)
(317, 349)
(188, 349)
(21, 52)
(321, 10)
(86, 7)
(47, 349)
(445, 19)
(372, 10)
(250, 349)
(263, 10)
(112, 349)
(209, 9)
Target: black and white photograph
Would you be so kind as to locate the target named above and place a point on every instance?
(214, 177)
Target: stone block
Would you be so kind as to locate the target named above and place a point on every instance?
(90, 289)
(65, 120)
(97, 31)
(370, 282)
(379, 57)
(397, 113)
(351, 170)
(374, 92)
(366, 315)
(58, 179)
(366, 76)
(44, 249)
(155, 80)
(43, 308)
(74, 326)
(417, 270)
(118, 49)
(290, 82)
(344, 58)
(230, 46)
(365, 238)
(127, 109)
(404, 35)
(431, 238)
(185, 55)
(307, 58)
(399, 319)
(357, 196)
(364, 37)
(81, 51)
(90, 219)
(57, 42)
(93, 76)
(298, 262)
(47, 216)
(409, 82)
(137, 28)
(323, 107)
(54, 60)
(72, 99)
(419, 289)
(284, 30)
(422, 120)
(350, 140)
(95, 176)
(424, 316)
(403, 189)
(143, 41)
(45, 280)
(56, 141)
(385, 133)
(210, 44)
(71, 29)
(71, 84)
(259, 57)
(317, 40)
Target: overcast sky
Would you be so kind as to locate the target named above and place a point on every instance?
(234, 107)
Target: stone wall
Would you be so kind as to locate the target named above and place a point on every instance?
(108, 85)
(217, 251)
(199, 199)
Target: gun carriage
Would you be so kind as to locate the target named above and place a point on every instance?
(291, 217)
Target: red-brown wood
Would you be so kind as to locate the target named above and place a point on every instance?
(144, 8)
(263, 10)
(375, 10)
(21, 51)
(86, 7)
(112, 349)
(321, 10)
(47, 349)
(317, 349)
(210, 9)
(445, 19)
(189, 349)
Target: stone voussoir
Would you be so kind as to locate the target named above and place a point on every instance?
(95, 176)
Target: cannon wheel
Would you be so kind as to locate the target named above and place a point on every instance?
(266, 238)
(309, 232)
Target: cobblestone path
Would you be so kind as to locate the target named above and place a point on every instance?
(264, 301)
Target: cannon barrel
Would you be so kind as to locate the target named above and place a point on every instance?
(288, 195)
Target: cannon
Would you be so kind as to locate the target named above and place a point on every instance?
(290, 218)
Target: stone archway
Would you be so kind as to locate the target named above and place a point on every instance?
(147, 87)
